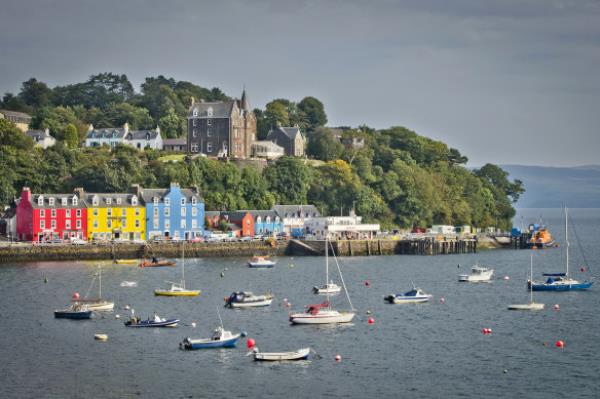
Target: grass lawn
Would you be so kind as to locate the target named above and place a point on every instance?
(172, 157)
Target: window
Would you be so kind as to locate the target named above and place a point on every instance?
(95, 211)
(63, 201)
(53, 213)
(78, 224)
(74, 201)
(208, 132)
(123, 223)
(194, 133)
(53, 224)
(235, 132)
(183, 223)
(123, 212)
(209, 122)
(183, 211)
(183, 201)
(209, 111)
(67, 224)
(137, 224)
(109, 212)
(42, 224)
(119, 201)
(42, 213)
(167, 211)
(51, 201)
(194, 147)
(155, 212)
(108, 201)
(194, 122)
(134, 200)
(195, 112)
(155, 200)
(167, 224)
(194, 211)
(194, 224)
(68, 213)
(137, 211)
(194, 201)
(95, 224)
(155, 224)
(78, 213)
(167, 201)
(209, 147)
(109, 224)
(258, 219)
(40, 200)
(95, 201)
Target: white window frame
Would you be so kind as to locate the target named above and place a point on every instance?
(40, 200)
(68, 224)
(67, 213)
(137, 223)
(134, 200)
(109, 201)
(209, 111)
(51, 201)
(183, 211)
(209, 146)
(63, 201)
(194, 211)
(182, 223)
(167, 211)
(194, 224)
(183, 201)
(42, 224)
(155, 201)
(53, 213)
(78, 213)
(78, 224)
(118, 200)
(167, 224)
(42, 213)
(167, 201)
(53, 224)
(74, 201)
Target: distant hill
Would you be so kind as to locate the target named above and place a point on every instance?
(549, 187)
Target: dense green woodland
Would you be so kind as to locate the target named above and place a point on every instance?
(398, 178)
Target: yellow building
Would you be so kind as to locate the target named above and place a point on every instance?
(118, 217)
(20, 119)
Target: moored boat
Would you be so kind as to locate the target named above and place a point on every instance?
(246, 299)
(531, 305)
(154, 322)
(76, 311)
(98, 304)
(156, 263)
(125, 261)
(326, 289)
(221, 338)
(416, 295)
(478, 274)
(541, 238)
(300, 354)
(178, 289)
(261, 262)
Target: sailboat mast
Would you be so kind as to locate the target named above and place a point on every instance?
(100, 282)
(567, 239)
(327, 270)
(182, 265)
(531, 278)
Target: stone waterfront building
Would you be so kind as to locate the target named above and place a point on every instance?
(290, 138)
(221, 129)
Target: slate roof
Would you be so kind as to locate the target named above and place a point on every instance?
(57, 201)
(290, 132)
(262, 213)
(289, 211)
(126, 200)
(212, 214)
(106, 133)
(37, 135)
(148, 194)
(15, 114)
(221, 109)
(177, 141)
(236, 216)
(141, 134)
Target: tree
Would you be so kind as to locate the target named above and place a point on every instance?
(55, 119)
(10, 135)
(314, 111)
(171, 125)
(277, 113)
(498, 178)
(14, 103)
(70, 135)
(324, 146)
(289, 180)
(36, 94)
(118, 114)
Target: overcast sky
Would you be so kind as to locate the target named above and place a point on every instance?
(503, 81)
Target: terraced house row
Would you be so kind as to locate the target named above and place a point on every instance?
(143, 214)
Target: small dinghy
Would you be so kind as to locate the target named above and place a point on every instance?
(155, 322)
(221, 338)
(125, 261)
(416, 295)
(76, 311)
(478, 274)
(261, 262)
(300, 354)
(327, 289)
(101, 337)
(129, 284)
(156, 263)
(246, 299)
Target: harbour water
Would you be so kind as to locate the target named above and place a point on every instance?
(430, 350)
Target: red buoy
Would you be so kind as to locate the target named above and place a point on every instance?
(582, 269)
(557, 307)
(76, 295)
(338, 358)
(486, 331)
(250, 343)
(371, 320)
(442, 300)
(560, 344)
(367, 283)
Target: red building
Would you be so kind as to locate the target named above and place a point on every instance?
(42, 217)
(244, 221)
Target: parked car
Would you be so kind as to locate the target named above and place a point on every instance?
(196, 239)
(247, 238)
(78, 241)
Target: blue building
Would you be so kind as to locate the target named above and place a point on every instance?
(173, 213)
(266, 222)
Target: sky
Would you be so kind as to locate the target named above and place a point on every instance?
(507, 82)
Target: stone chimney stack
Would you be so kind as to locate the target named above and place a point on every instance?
(137, 190)
(126, 127)
(79, 192)
(26, 194)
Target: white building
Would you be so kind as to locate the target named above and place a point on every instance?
(443, 229)
(294, 217)
(341, 227)
(112, 136)
(41, 138)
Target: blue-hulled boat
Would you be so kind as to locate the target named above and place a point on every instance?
(560, 281)
(156, 322)
(221, 338)
(75, 312)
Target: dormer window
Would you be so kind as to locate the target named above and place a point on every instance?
(147, 136)
(194, 201)
(119, 201)
(51, 201)
(167, 201)
(268, 219)
(74, 201)
(95, 200)
(108, 201)
(183, 201)
(209, 111)
(155, 200)
(134, 200)
(40, 200)
(258, 219)
(195, 112)
(63, 201)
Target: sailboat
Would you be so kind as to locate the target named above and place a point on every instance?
(561, 281)
(95, 304)
(329, 287)
(323, 313)
(531, 305)
(178, 289)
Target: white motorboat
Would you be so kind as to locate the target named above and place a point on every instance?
(128, 283)
(246, 299)
(478, 274)
(416, 295)
(531, 305)
(96, 304)
(330, 288)
(261, 262)
(300, 354)
(323, 313)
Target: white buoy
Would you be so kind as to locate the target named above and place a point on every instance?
(193, 324)
(117, 316)
(101, 337)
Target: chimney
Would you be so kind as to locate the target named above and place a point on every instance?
(136, 189)
(90, 127)
(47, 132)
(193, 100)
(79, 192)
(157, 129)
(126, 127)
(26, 194)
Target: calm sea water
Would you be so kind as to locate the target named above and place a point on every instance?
(431, 350)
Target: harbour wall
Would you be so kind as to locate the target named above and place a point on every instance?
(27, 253)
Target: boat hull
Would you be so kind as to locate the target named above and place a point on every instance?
(103, 306)
(158, 264)
(150, 323)
(301, 354)
(399, 300)
(527, 306)
(194, 344)
(261, 265)
(560, 286)
(256, 304)
(176, 293)
(306, 318)
(74, 315)
(126, 262)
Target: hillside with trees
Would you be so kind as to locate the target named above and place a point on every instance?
(395, 177)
